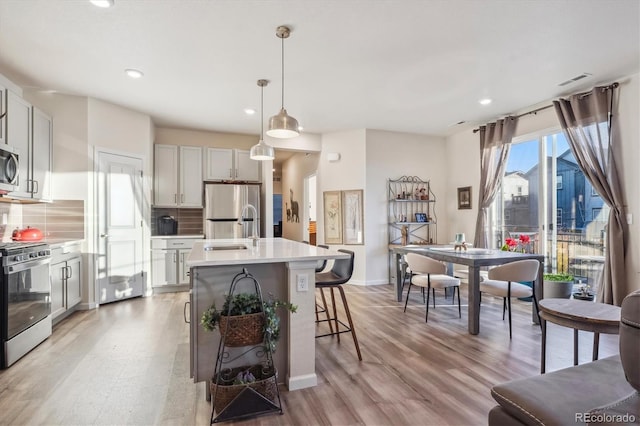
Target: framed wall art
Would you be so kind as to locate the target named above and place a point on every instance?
(464, 198)
(353, 217)
(332, 217)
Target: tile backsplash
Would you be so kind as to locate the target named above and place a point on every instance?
(62, 219)
(189, 220)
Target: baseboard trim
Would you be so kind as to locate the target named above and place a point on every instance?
(301, 382)
(86, 306)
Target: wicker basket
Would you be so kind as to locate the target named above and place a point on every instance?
(223, 391)
(242, 330)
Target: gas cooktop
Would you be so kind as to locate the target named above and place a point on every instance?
(9, 246)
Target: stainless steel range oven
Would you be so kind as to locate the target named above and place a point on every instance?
(25, 298)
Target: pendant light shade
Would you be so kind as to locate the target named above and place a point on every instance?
(262, 151)
(283, 125)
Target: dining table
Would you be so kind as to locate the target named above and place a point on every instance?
(474, 259)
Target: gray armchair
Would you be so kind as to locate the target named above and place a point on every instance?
(603, 391)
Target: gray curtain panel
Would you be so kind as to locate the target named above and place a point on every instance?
(495, 141)
(587, 120)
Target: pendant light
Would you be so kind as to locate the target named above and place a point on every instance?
(262, 151)
(282, 125)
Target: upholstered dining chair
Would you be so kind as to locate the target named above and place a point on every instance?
(504, 281)
(430, 274)
(339, 274)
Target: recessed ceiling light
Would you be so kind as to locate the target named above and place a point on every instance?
(249, 111)
(102, 3)
(485, 101)
(133, 73)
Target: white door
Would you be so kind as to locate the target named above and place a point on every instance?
(120, 206)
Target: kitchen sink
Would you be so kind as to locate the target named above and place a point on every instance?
(225, 247)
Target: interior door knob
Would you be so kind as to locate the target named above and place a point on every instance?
(104, 235)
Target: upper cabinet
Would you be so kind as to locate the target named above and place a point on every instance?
(231, 164)
(19, 136)
(40, 166)
(177, 177)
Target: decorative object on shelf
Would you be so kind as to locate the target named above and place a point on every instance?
(262, 151)
(405, 233)
(332, 217)
(421, 217)
(353, 217)
(464, 198)
(282, 125)
(557, 286)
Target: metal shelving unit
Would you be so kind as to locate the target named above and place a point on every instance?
(411, 214)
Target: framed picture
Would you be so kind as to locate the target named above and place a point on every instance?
(464, 198)
(353, 217)
(332, 217)
(421, 217)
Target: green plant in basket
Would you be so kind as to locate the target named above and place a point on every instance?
(247, 304)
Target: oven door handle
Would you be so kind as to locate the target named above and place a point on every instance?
(26, 265)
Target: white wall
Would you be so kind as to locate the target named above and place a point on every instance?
(627, 161)
(347, 173)
(391, 155)
(294, 170)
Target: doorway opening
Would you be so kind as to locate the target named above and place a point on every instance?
(309, 210)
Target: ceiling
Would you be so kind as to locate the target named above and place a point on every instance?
(417, 66)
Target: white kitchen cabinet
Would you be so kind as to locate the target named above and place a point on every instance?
(231, 164)
(177, 176)
(19, 137)
(40, 166)
(31, 132)
(168, 261)
(66, 281)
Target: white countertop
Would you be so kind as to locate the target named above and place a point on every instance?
(269, 250)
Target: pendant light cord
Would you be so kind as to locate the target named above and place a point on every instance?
(282, 105)
(261, 112)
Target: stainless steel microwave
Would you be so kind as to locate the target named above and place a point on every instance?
(9, 168)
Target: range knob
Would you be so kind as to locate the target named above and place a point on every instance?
(17, 258)
(33, 255)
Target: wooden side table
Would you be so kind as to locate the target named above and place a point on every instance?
(579, 315)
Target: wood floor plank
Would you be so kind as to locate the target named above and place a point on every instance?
(128, 363)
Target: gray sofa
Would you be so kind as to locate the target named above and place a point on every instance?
(599, 392)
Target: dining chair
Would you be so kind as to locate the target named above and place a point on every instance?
(504, 281)
(430, 274)
(340, 273)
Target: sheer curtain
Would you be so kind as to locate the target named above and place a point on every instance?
(587, 121)
(495, 141)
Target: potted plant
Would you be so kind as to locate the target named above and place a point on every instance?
(244, 321)
(557, 285)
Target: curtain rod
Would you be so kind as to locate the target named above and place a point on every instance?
(611, 86)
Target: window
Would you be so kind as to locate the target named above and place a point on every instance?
(594, 193)
(535, 198)
(559, 217)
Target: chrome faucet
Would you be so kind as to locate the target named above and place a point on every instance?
(254, 231)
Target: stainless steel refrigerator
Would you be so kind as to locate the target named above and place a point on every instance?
(223, 206)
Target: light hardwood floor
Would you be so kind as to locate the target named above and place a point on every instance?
(128, 363)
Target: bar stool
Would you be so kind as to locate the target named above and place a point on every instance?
(339, 274)
(322, 309)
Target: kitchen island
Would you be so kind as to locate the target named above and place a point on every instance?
(281, 267)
